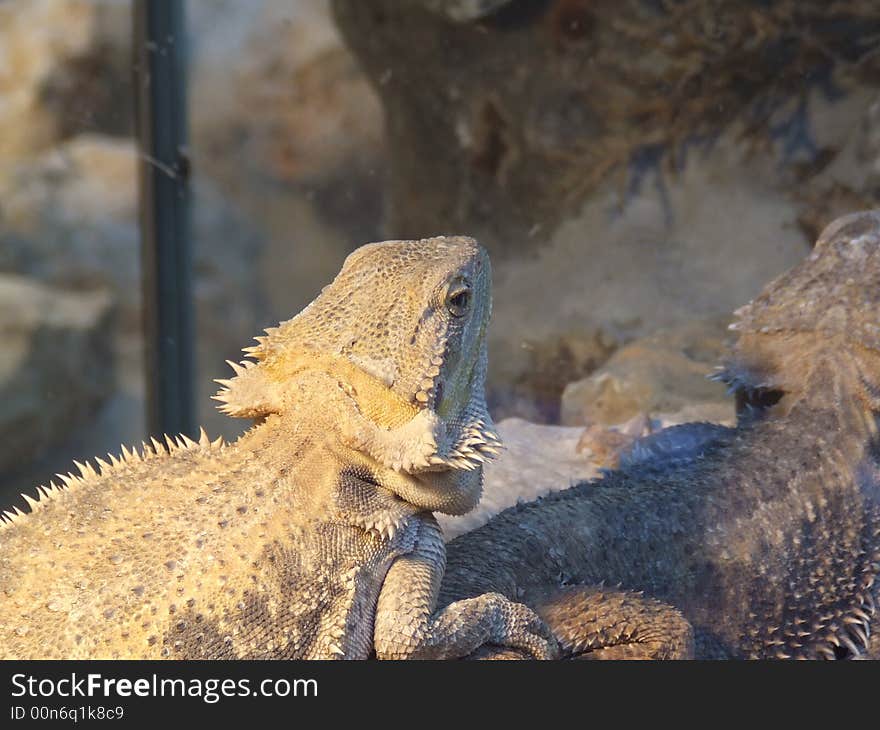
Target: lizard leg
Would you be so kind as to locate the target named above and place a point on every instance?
(605, 445)
(408, 626)
(673, 444)
(596, 623)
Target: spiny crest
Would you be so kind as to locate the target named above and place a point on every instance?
(251, 393)
(384, 524)
(835, 290)
(114, 464)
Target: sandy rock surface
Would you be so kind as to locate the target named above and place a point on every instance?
(662, 373)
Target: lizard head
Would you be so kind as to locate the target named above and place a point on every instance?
(830, 302)
(403, 329)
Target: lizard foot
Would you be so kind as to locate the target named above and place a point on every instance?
(524, 635)
(526, 631)
(605, 445)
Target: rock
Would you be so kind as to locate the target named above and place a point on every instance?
(722, 412)
(280, 110)
(284, 126)
(869, 142)
(537, 459)
(719, 236)
(545, 131)
(664, 373)
(56, 365)
(464, 11)
(850, 178)
(69, 218)
(308, 121)
(64, 65)
(533, 391)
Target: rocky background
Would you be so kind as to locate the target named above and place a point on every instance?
(637, 169)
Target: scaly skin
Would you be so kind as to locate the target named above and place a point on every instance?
(312, 535)
(766, 536)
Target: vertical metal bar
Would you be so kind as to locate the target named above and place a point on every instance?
(166, 257)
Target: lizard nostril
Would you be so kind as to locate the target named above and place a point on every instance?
(438, 393)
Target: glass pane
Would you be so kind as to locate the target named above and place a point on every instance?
(636, 169)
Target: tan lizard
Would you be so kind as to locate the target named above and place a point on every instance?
(311, 535)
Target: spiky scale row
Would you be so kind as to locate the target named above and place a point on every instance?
(224, 395)
(10, 517)
(86, 469)
(479, 444)
(88, 472)
(258, 351)
(384, 525)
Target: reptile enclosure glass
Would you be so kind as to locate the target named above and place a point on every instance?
(637, 169)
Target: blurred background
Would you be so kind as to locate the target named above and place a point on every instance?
(636, 168)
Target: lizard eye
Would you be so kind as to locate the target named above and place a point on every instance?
(458, 298)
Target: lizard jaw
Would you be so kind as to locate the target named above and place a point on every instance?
(427, 468)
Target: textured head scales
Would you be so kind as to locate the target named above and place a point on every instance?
(404, 322)
(834, 291)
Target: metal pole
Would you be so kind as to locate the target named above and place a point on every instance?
(166, 257)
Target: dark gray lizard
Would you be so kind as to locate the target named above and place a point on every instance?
(766, 536)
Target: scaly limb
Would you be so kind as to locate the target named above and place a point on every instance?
(408, 626)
